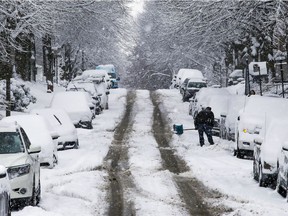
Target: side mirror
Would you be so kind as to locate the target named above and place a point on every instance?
(34, 149)
(118, 79)
(54, 135)
(258, 140)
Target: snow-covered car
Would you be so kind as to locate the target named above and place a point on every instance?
(267, 148)
(20, 157)
(103, 93)
(62, 124)
(229, 118)
(184, 73)
(202, 96)
(93, 96)
(111, 70)
(218, 103)
(37, 131)
(5, 191)
(92, 75)
(252, 117)
(193, 85)
(282, 177)
(76, 105)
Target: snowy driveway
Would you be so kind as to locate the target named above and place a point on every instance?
(80, 184)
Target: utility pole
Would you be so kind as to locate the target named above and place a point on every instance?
(282, 78)
(247, 79)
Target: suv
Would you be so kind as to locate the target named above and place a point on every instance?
(22, 162)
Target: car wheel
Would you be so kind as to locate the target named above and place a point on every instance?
(255, 174)
(279, 187)
(261, 180)
(36, 194)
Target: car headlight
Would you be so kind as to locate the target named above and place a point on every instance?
(17, 171)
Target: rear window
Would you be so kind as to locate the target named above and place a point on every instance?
(10, 143)
(196, 85)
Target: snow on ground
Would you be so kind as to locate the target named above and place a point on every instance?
(78, 185)
(216, 167)
(156, 193)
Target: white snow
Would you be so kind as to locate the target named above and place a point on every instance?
(78, 184)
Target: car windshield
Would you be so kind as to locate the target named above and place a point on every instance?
(112, 75)
(196, 85)
(10, 143)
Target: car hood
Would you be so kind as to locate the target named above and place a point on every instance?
(9, 160)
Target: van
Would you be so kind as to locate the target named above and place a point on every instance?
(114, 77)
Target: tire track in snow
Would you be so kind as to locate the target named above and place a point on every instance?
(116, 163)
(192, 192)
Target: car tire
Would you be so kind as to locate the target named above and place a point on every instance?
(255, 174)
(261, 180)
(279, 187)
(36, 195)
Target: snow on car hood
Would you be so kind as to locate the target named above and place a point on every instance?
(9, 160)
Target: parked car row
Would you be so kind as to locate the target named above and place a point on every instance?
(31, 140)
(258, 125)
(28, 141)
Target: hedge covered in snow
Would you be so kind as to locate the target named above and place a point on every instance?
(20, 95)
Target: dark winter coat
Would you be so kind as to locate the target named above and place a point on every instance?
(204, 117)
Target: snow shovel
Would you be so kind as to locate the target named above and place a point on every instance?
(178, 129)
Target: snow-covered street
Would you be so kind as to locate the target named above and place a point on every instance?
(79, 184)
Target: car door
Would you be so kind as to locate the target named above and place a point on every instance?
(32, 158)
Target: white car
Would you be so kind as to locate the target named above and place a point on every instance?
(21, 159)
(200, 99)
(37, 131)
(62, 124)
(267, 148)
(252, 117)
(5, 191)
(229, 117)
(94, 97)
(76, 105)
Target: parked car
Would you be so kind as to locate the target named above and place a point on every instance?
(5, 191)
(229, 118)
(267, 149)
(91, 75)
(111, 70)
(193, 85)
(201, 97)
(93, 96)
(77, 107)
(218, 103)
(101, 84)
(37, 131)
(282, 177)
(21, 159)
(187, 72)
(62, 124)
(251, 117)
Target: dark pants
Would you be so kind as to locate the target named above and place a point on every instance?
(208, 131)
